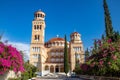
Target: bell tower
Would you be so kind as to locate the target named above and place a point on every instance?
(76, 50)
(37, 39)
(38, 27)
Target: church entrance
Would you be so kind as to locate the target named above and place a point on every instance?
(56, 69)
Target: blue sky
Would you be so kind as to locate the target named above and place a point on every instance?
(62, 17)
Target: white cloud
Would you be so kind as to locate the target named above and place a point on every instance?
(24, 47)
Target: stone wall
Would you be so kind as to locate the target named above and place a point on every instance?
(10, 74)
(98, 77)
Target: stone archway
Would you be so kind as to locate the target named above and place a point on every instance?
(57, 68)
(51, 68)
(46, 67)
(61, 68)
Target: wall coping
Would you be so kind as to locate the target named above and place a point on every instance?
(98, 77)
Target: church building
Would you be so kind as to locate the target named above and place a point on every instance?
(48, 56)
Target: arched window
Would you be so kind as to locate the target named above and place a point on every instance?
(38, 37)
(62, 60)
(57, 60)
(37, 15)
(52, 53)
(47, 67)
(39, 49)
(33, 48)
(40, 27)
(37, 27)
(57, 44)
(35, 37)
(40, 15)
(52, 60)
(35, 64)
(34, 27)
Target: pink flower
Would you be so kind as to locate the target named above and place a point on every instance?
(5, 63)
(101, 62)
(92, 64)
(109, 40)
(11, 58)
(114, 57)
(109, 63)
(104, 55)
(1, 49)
(112, 48)
(84, 67)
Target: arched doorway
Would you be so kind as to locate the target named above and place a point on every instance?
(61, 68)
(57, 68)
(51, 68)
(46, 67)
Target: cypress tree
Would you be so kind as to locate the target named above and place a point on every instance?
(95, 47)
(87, 53)
(116, 36)
(108, 22)
(66, 62)
(103, 37)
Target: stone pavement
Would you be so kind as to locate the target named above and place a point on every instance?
(58, 77)
(61, 79)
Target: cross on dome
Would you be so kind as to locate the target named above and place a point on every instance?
(57, 35)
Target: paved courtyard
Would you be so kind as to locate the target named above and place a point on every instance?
(58, 77)
(62, 79)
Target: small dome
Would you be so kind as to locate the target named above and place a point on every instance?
(39, 12)
(74, 33)
(39, 15)
(56, 39)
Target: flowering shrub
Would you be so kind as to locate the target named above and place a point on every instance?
(106, 61)
(10, 59)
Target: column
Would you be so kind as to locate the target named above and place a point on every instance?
(59, 68)
(54, 69)
(49, 68)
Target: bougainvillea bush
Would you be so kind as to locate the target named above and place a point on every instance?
(106, 62)
(10, 59)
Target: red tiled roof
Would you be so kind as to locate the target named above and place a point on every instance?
(39, 11)
(74, 33)
(56, 39)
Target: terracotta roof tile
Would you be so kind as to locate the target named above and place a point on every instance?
(56, 39)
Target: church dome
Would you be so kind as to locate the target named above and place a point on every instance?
(74, 33)
(39, 15)
(55, 42)
(75, 37)
(39, 12)
(56, 39)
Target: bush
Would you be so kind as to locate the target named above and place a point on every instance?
(29, 71)
(10, 59)
(106, 62)
(14, 79)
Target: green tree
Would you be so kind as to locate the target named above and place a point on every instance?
(66, 62)
(29, 71)
(95, 47)
(103, 37)
(108, 22)
(116, 36)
